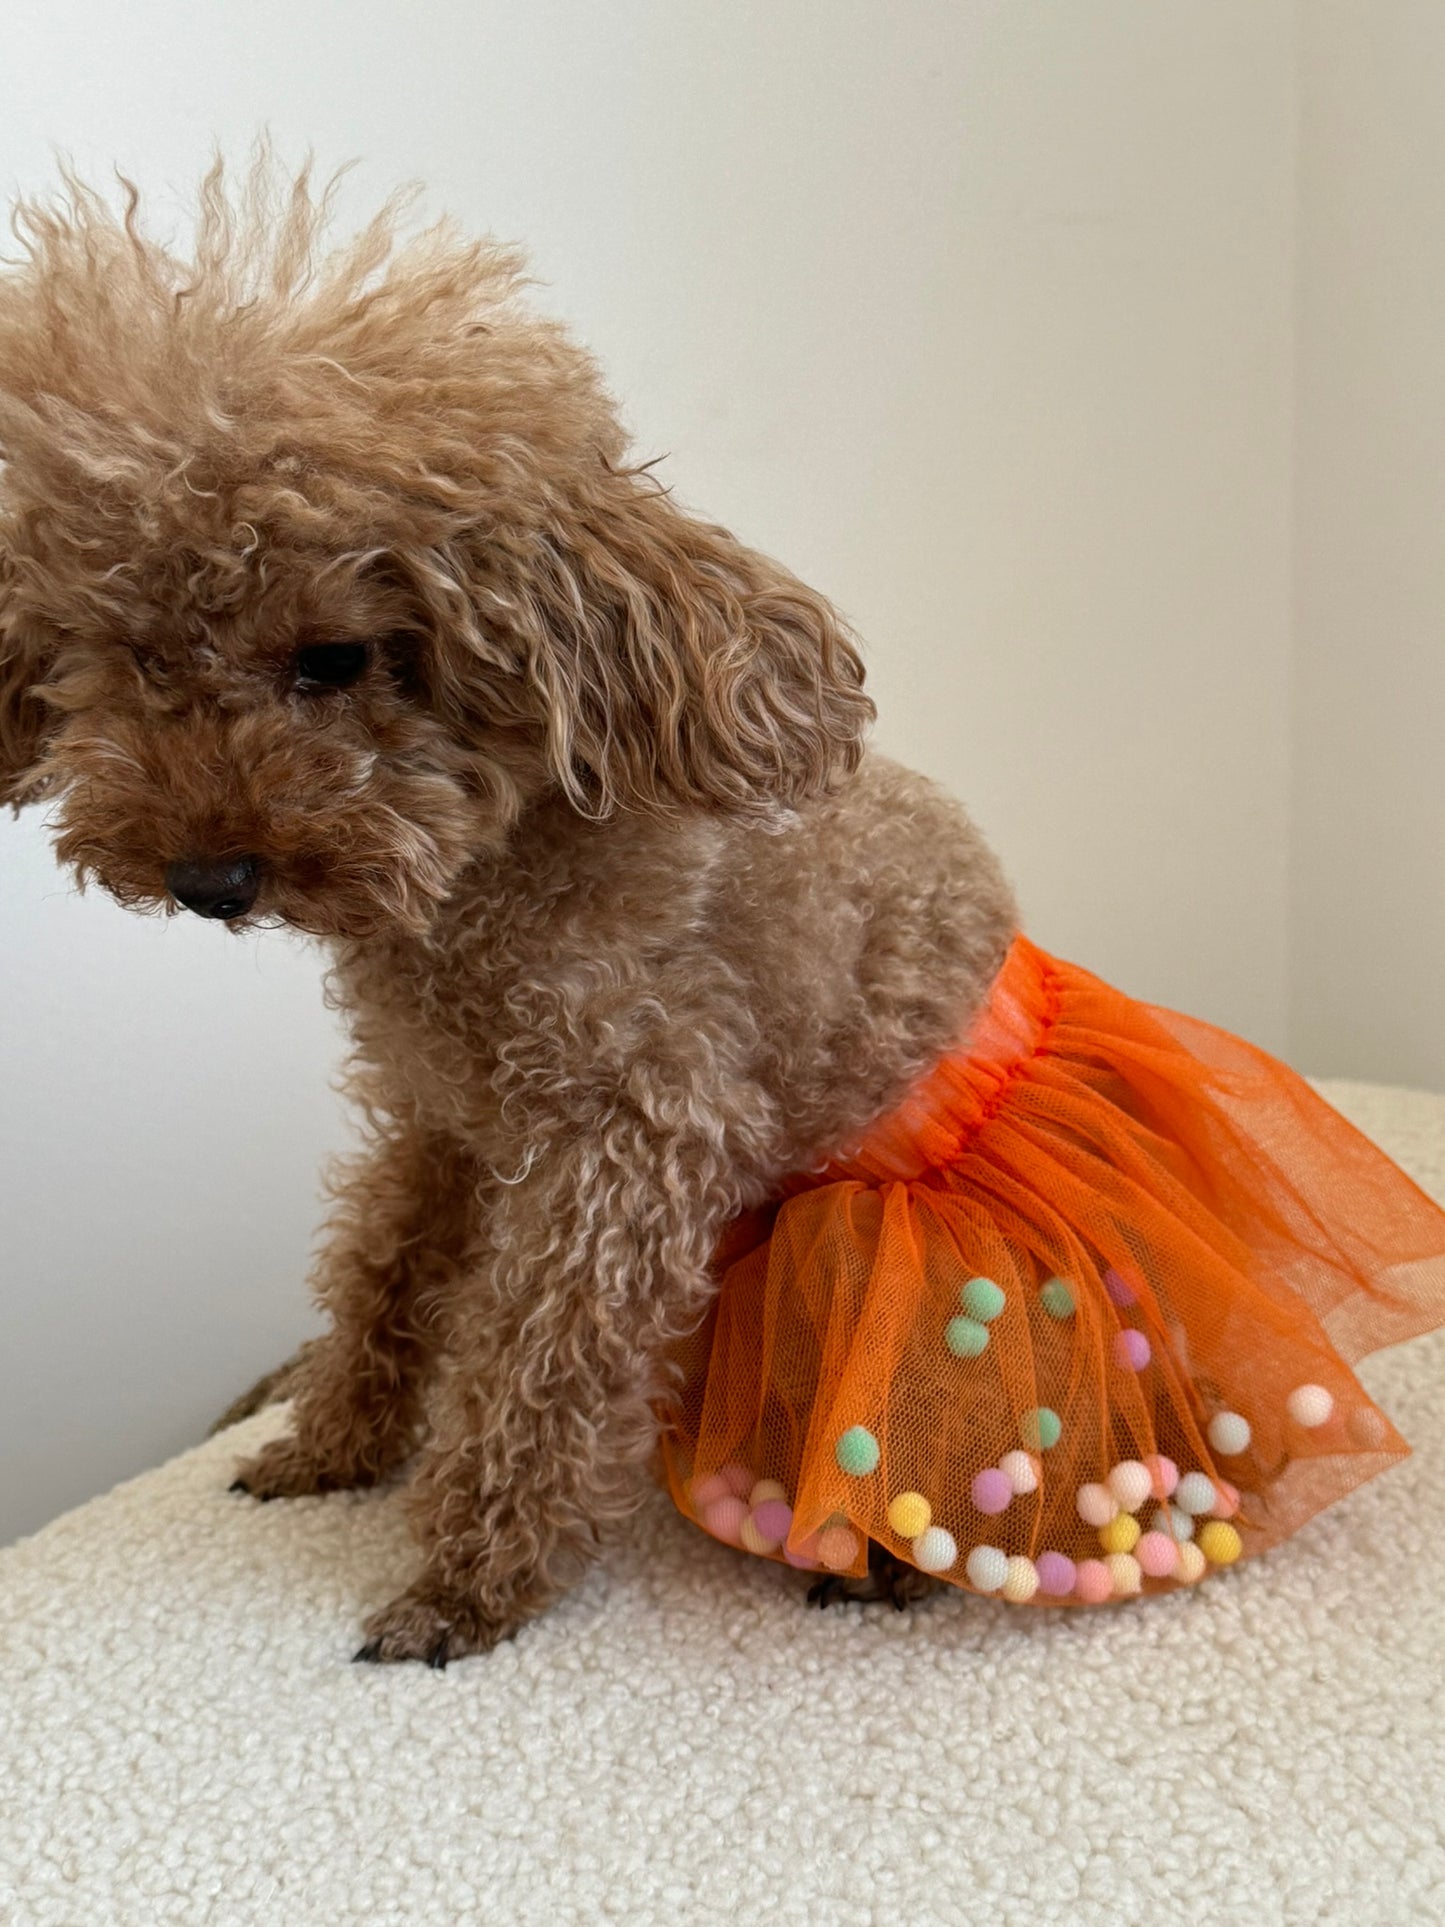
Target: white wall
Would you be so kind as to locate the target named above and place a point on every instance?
(1368, 923)
(980, 315)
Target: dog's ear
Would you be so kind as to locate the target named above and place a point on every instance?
(25, 719)
(677, 666)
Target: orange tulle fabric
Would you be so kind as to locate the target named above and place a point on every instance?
(1073, 1323)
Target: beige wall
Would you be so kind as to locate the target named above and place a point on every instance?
(980, 314)
(1368, 901)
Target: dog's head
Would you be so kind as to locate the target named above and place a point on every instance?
(317, 568)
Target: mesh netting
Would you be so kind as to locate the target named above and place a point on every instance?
(1075, 1322)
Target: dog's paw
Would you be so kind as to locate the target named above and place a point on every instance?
(431, 1623)
(287, 1469)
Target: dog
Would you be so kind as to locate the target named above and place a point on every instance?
(330, 598)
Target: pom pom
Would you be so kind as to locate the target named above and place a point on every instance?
(1096, 1505)
(838, 1547)
(1163, 1475)
(1309, 1406)
(1121, 1534)
(1195, 1493)
(857, 1452)
(1120, 1291)
(992, 1491)
(1130, 1484)
(982, 1299)
(935, 1550)
(1192, 1564)
(1021, 1581)
(1124, 1574)
(1021, 1470)
(764, 1490)
(1229, 1434)
(965, 1337)
(1173, 1523)
(1057, 1299)
(774, 1519)
(1157, 1554)
(724, 1519)
(1094, 1582)
(1040, 1428)
(1220, 1543)
(987, 1568)
(1131, 1350)
(753, 1539)
(1226, 1499)
(909, 1514)
(1057, 1574)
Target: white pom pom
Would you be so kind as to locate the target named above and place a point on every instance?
(935, 1550)
(1195, 1493)
(1229, 1434)
(1097, 1505)
(1310, 1405)
(1130, 1484)
(987, 1568)
(1021, 1470)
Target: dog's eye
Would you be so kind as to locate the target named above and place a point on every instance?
(330, 665)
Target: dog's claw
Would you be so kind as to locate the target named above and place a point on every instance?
(437, 1657)
(238, 1485)
(370, 1653)
(824, 1591)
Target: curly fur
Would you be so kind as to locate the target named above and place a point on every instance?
(626, 924)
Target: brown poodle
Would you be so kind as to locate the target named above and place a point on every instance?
(329, 598)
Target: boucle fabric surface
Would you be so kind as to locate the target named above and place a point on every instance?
(183, 1737)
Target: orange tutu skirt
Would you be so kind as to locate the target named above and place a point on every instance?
(1074, 1323)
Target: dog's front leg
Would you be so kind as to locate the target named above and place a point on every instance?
(594, 1262)
(405, 1213)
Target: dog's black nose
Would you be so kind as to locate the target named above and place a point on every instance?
(225, 889)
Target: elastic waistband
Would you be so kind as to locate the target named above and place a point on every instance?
(934, 1123)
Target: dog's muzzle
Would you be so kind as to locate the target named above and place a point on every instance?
(223, 889)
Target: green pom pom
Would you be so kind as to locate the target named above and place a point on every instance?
(1056, 1299)
(857, 1451)
(1040, 1428)
(982, 1300)
(965, 1338)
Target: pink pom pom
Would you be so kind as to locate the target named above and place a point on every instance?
(1094, 1583)
(1131, 1350)
(737, 1479)
(708, 1491)
(1226, 1499)
(992, 1491)
(1097, 1505)
(1119, 1289)
(804, 1555)
(837, 1548)
(1163, 1475)
(1157, 1554)
(773, 1519)
(724, 1519)
(1057, 1574)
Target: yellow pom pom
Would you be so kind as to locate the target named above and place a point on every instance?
(764, 1490)
(1192, 1564)
(910, 1514)
(1125, 1572)
(1021, 1580)
(1220, 1543)
(1121, 1534)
